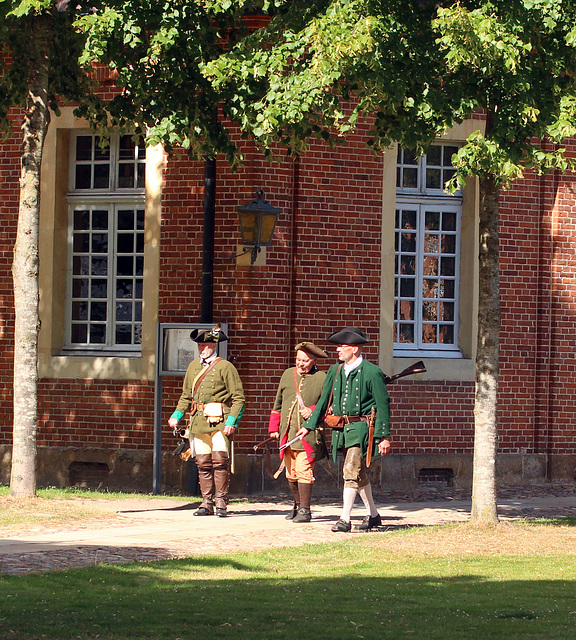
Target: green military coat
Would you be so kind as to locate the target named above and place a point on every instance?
(310, 385)
(221, 384)
(364, 388)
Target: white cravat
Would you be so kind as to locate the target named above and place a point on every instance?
(350, 367)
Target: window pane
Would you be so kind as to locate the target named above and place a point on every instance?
(100, 220)
(434, 179)
(97, 334)
(126, 176)
(139, 265)
(434, 155)
(101, 153)
(99, 266)
(123, 334)
(98, 311)
(84, 148)
(81, 220)
(428, 333)
(447, 288)
(125, 243)
(80, 311)
(430, 266)
(410, 178)
(124, 288)
(406, 308)
(448, 153)
(98, 288)
(79, 333)
(430, 288)
(101, 176)
(80, 287)
(126, 220)
(409, 157)
(124, 311)
(99, 243)
(81, 242)
(432, 220)
(406, 333)
(141, 178)
(125, 266)
(448, 266)
(447, 311)
(429, 311)
(407, 287)
(408, 265)
(448, 221)
(446, 335)
(83, 176)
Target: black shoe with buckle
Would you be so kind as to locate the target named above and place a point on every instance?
(293, 513)
(370, 522)
(342, 525)
(303, 515)
(221, 512)
(204, 511)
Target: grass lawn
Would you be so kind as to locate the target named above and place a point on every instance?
(451, 582)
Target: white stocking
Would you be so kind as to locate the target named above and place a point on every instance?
(366, 495)
(348, 498)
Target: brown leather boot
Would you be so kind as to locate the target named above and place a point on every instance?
(205, 479)
(221, 481)
(305, 491)
(293, 485)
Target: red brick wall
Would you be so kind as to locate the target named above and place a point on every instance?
(321, 273)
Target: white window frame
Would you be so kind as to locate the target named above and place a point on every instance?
(421, 199)
(113, 199)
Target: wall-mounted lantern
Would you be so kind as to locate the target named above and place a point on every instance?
(257, 223)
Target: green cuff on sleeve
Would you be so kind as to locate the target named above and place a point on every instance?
(230, 421)
(178, 415)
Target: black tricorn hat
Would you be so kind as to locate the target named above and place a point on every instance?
(311, 349)
(209, 335)
(349, 335)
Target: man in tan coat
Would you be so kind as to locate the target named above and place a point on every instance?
(299, 389)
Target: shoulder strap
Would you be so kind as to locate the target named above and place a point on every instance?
(332, 390)
(297, 389)
(202, 374)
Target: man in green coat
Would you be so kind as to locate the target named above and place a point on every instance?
(213, 392)
(352, 388)
(298, 391)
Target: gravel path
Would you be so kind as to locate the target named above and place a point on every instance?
(155, 529)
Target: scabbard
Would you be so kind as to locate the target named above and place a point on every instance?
(371, 423)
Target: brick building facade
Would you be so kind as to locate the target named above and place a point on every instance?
(333, 263)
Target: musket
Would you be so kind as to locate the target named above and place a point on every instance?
(263, 443)
(417, 367)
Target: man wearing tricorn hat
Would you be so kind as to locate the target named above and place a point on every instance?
(352, 388)
(213, 392)
(298, 391)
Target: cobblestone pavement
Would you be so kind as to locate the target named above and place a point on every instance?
(154, 529)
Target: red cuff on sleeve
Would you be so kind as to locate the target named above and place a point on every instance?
(274, 423)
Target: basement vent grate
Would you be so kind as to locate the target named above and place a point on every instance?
(436, 477)
(88, 475)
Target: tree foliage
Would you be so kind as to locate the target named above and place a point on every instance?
(416, 69)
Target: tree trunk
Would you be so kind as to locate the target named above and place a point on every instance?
(484, 498)
(25, 264)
